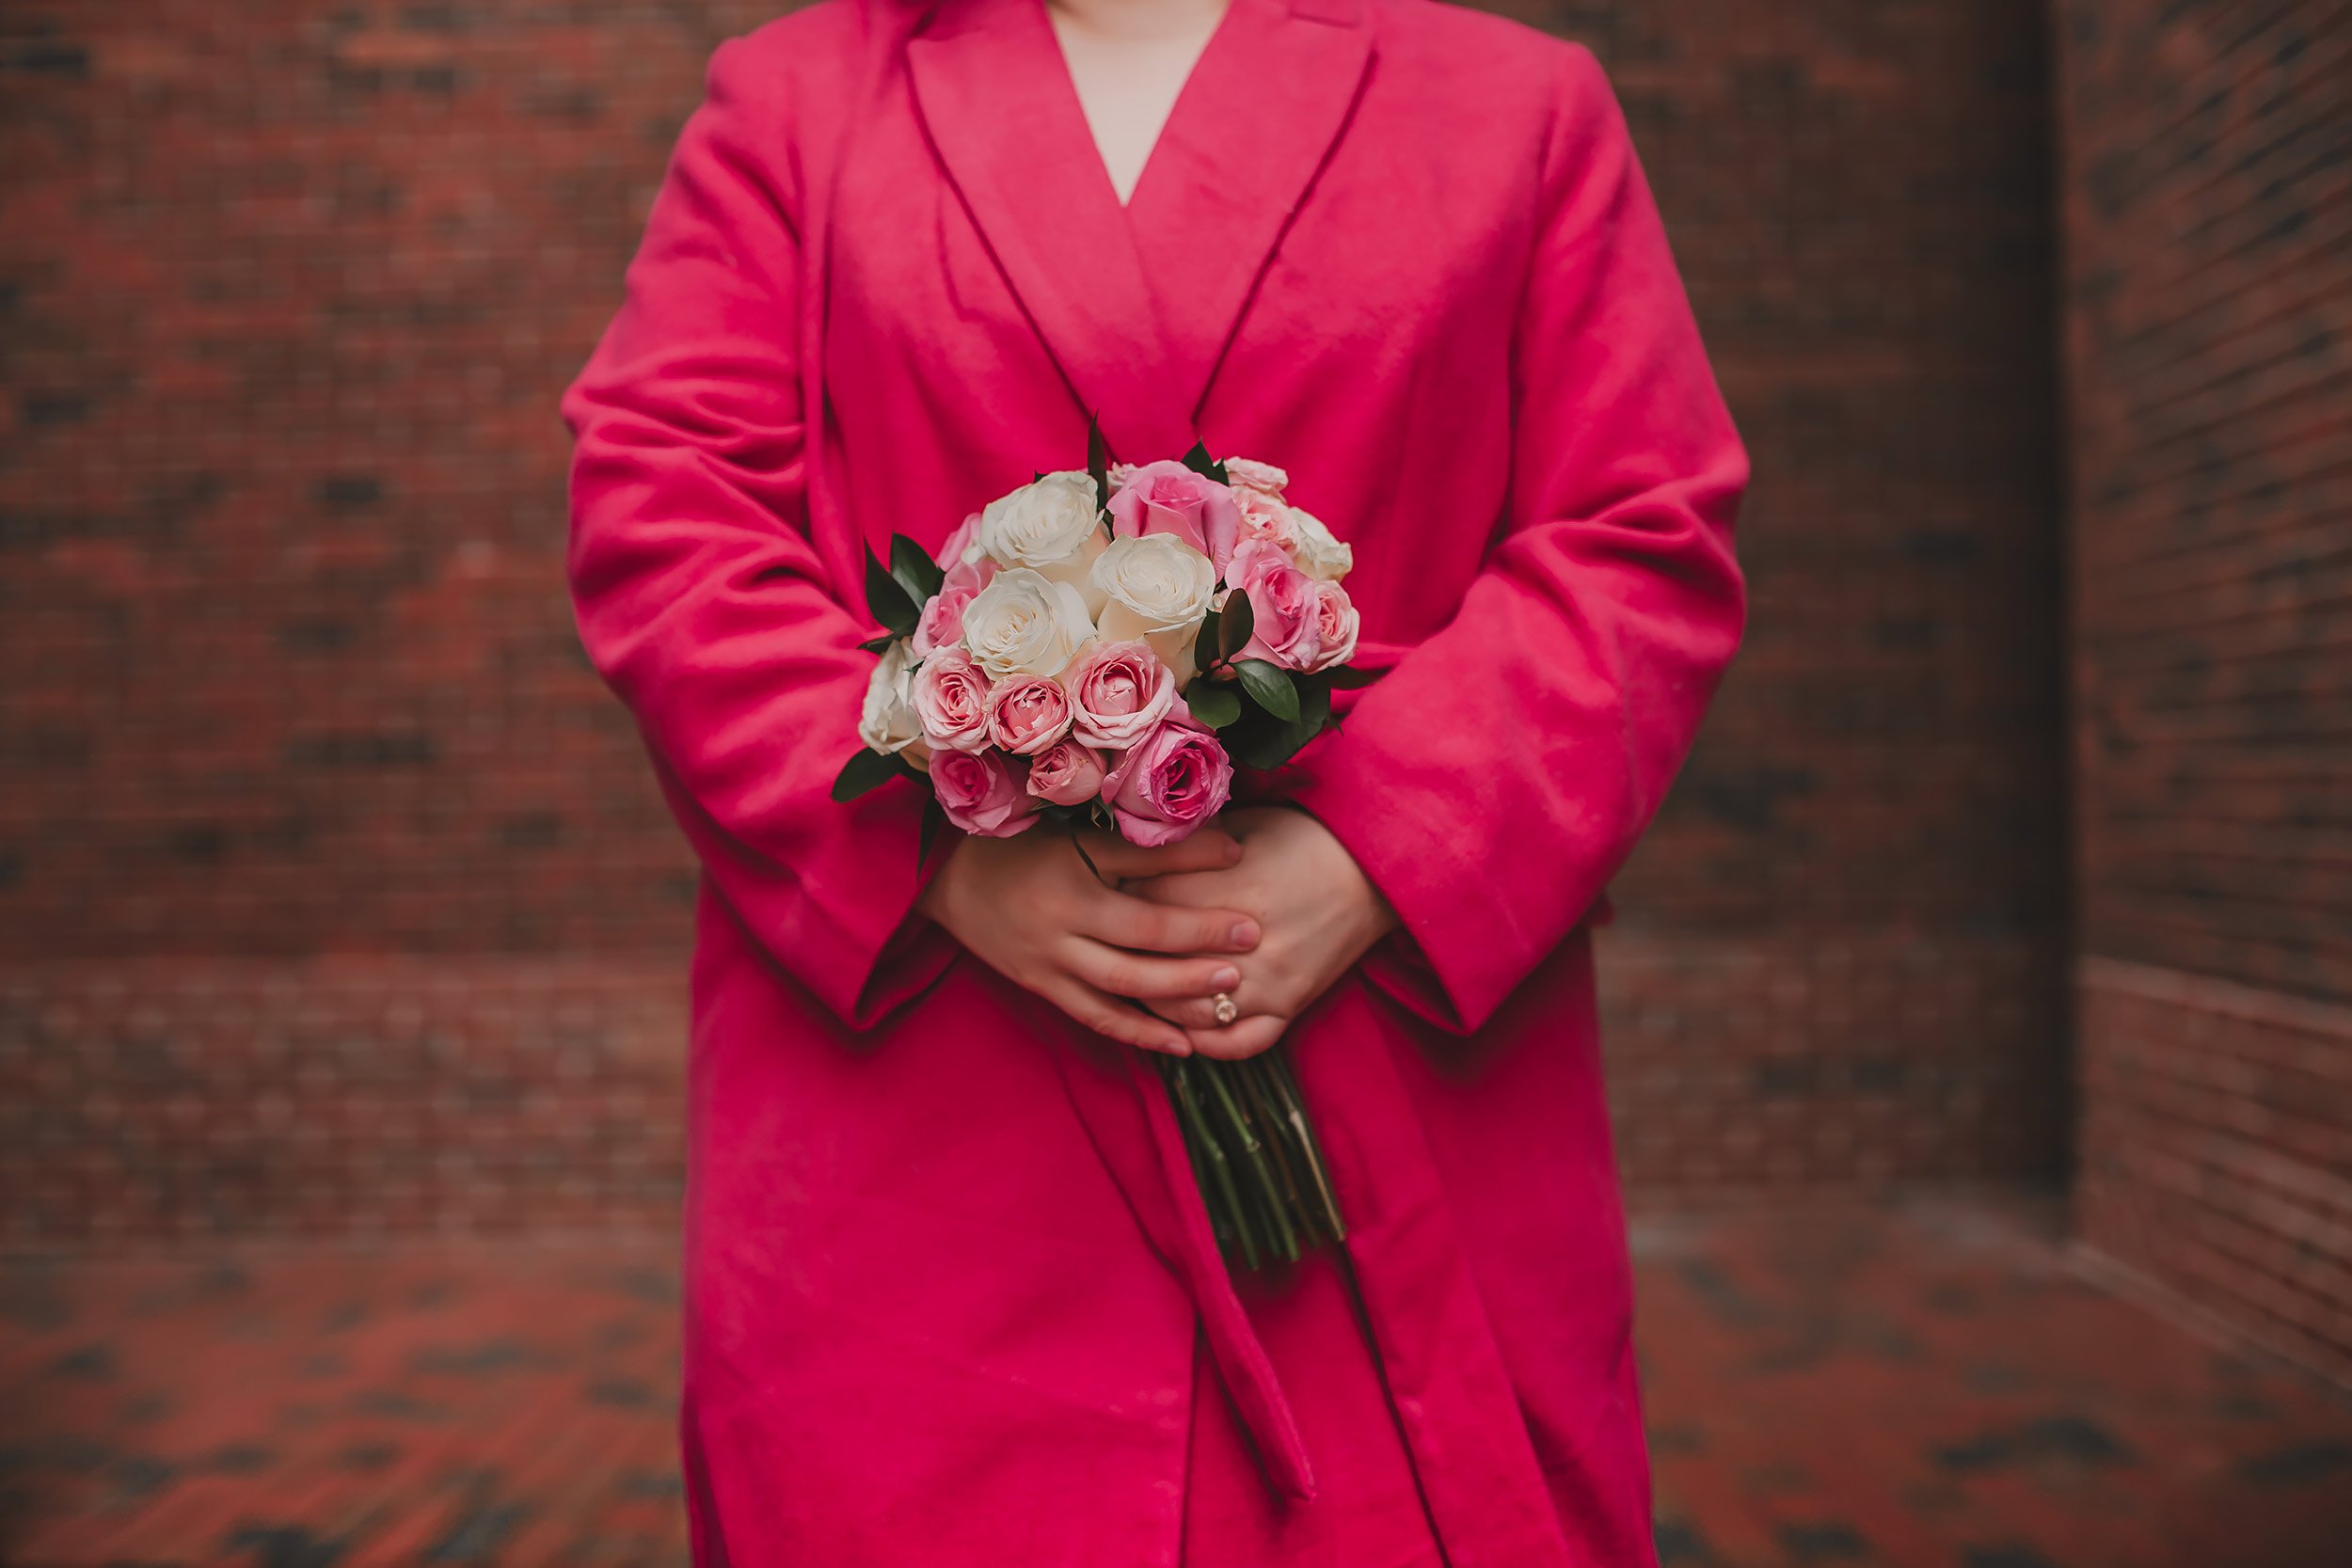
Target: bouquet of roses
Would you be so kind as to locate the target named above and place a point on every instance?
(1103, 646)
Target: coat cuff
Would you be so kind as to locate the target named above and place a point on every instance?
(915, 953)
(1454, 957)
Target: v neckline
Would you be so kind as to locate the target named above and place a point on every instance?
(1176, 106)
(1137, 301)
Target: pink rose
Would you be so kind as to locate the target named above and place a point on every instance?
(1118, 692)
(950, 698)
(983, 792)
(942, 621)
(1336, 626)
(1281, 604)
(1028, 713)
(1168, 498)
(1175, 779)
(1065, 773)
(960, 544)
(1264, 517)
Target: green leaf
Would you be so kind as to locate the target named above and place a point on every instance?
(879, 645)
(1347, 677)
(1200, 463)
(1262, 742)
(1234, 626)
(1097, 460)
(1212, 705)
(1269, 687)
(886, 598)
(914, 569)
(1314, 712)
(865, 770)
(1254, 746)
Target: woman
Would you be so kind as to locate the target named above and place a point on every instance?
(950, 1297)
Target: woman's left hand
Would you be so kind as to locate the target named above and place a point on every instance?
(1317, 910)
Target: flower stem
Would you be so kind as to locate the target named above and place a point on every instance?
(1220, 1077)
(1220, 1218)
(1219, 1166)
(1280, 1145)
(1287, 1083)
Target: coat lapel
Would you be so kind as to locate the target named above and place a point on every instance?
(1005, 121)
(1137, 304)
(1255, 124)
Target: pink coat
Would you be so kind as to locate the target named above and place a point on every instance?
(945, 1265)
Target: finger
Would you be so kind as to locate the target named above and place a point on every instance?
(1249, 1000)
(1210, 849)
(1191, 889)
(1188, 1012)
(1247, 1037)
(1115, 1020)
(1123, 973)
(1124, 920)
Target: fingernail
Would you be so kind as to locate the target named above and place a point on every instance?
(1233, 850)
(1245, 933)
(1226, 978)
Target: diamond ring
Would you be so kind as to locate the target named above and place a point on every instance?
(1226, 1011)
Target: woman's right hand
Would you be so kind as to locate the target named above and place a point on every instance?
(1032, 910)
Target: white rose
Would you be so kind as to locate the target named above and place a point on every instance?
(1024, 622)
(887, 723)
(1247, 473)
(1051, 527)
(1317, 552)
(1155, 589)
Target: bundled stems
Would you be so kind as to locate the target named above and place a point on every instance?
(1326, 1204)
(1261, 1170)
(1211, 1166)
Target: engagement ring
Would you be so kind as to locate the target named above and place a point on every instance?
(1226, 1011)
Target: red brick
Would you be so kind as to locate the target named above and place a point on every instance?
(2207, 191)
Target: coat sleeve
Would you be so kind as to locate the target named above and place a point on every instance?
(1501, 773)
(698, 595)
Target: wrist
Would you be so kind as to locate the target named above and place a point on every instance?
(1375, 918)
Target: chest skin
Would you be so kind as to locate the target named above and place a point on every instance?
(1128, 64)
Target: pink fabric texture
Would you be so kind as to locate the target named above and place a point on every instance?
(945, 1265)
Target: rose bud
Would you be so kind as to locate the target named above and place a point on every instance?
(1028, 713)
(1168, 498)
(1169, 784)
(949, 694)
(1118, 692)
(983, 793)
(1065, 773)
(1284, 629)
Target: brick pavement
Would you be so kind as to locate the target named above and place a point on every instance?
(1926, 1385)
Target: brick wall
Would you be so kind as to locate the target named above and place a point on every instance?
(2208, 200)
(333, 888)
(1839, 960)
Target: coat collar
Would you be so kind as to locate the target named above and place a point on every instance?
(1137, 304)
